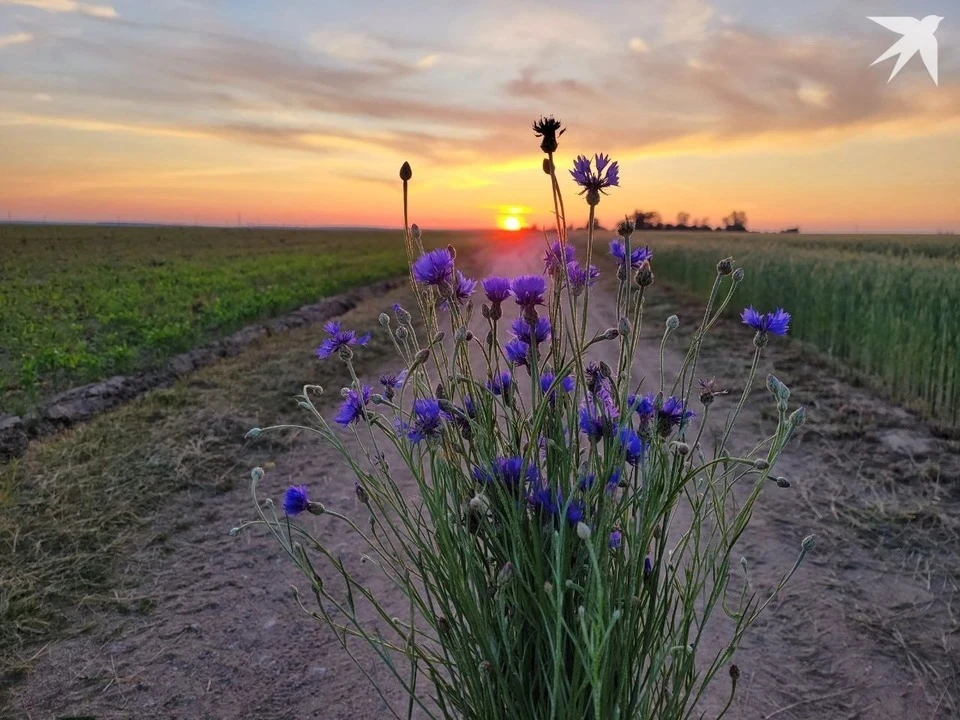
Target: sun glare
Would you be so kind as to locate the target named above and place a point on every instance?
(510, 222)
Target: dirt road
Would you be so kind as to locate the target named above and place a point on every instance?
(865, 629)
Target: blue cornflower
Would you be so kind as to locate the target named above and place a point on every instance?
(557, 257)
(632, 445)
(463, 288)
(606, 175)
(616, 539)
(581, 277)
(574, 513)
(647, 567)
(546, 380)
(427, 418)
(511, 471)
(500, 385)
(339, 338)
(295, 499)
(545, 500)
(352, 408)
(518, 352)
(591, 424)
(776, 322)
(673, 413)
(434, 268)
(391, 383)
(642, 405)
(638, 256)
(528, 291)
(497, 289)
(540, 331)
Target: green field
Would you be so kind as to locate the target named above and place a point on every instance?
(886, 306)
(81, 303)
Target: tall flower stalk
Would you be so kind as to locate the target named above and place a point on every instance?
(562, 542)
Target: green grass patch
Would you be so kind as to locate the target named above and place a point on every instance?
(889, 313)
(81, 303)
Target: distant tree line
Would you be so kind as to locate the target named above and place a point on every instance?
(736, 221)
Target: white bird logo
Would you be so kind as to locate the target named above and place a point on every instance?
(917, 36)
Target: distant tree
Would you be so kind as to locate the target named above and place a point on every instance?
(683, 218)
(735, 221)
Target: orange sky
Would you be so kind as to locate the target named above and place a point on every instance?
(121, 112)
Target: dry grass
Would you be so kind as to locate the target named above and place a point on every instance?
(74, 507)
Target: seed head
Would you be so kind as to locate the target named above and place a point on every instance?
(406, 172)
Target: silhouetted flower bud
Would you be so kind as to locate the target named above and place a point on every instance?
(453, 251)
(725, 266)
(546, 128)
(547, 168)
(361, 493)
(406, 172)
(415, 231)
(782, 482)
(645, 276)
(610, 334)
(734, 672)
(438, 338)
(485, 311)
(401, 333)
(738, 275)
(807, 544)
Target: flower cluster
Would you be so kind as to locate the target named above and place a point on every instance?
(539, 520)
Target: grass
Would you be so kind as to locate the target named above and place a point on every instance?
(884, 306)
(81, 303)
(72, 507)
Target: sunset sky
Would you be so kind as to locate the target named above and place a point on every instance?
(301, 112)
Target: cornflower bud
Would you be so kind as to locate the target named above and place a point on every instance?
(624, 326)
(797, 417)
(808, 542)
(738, 275)
(645, 276)
(583, 531)
(610, 334)
(625, 228)
(401, 333)
(725, 266)
(761, 464)
(361, 493)
(384, 319)
(673, 322)
(406, 172)
(415, 231)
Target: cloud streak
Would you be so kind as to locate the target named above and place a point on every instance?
(66, 6)
(15, 39)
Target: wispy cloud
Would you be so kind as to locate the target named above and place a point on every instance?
(66, 6)
(15, 39)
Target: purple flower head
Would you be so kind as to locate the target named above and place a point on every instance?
(295, 499)
(528, 290)
(434, 267)
(352, 408)
(581, 277)
(500, 385)
(543, 499)
(607, 174)
(541, 330)
(574, 513)
(647, 567)
(587, 481)
(591, 424)
(616, 539)
(776, 322)
(497, 289)
(518, 352)
(511, 471)
(557, 257)
(638, 256)
(390, 380)
(426, 420)
(642, 405)
(673, 412)
(632, 445)
(463, 288)
(339, 338)
(470, 408)
(546, 380)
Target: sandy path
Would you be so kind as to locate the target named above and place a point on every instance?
(227, 641)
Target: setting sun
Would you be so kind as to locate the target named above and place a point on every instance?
(511, 222)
